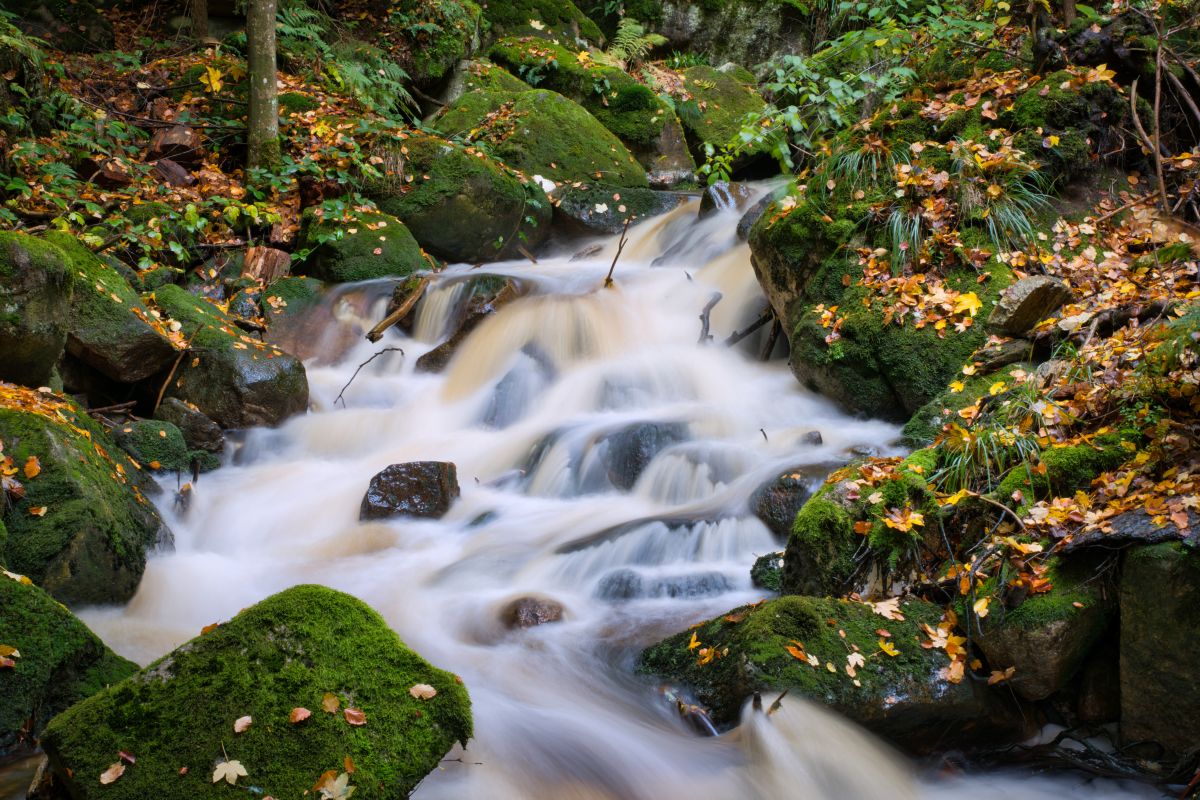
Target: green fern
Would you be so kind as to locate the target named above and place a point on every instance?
(631, 44)
(369, 76)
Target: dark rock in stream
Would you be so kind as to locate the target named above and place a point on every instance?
(632, 448)
(199, 432)
(414, 489)
(483, 304)
(529, 612)
(725, 197)
(778, 501)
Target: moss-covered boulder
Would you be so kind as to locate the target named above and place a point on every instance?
(718, 103)
(1160, 612)
(829, 652)
(305, 648)
(481, 75)
(198, 431)
(82, 528)
(1068, 468)
(61, 662)
(154, 444)
(552, 19)
(926, 424)
(460, 204)
(429, 48)
(35, 288)
(369, 246)
(541, 132)
(603, 209)
(234, 379)
(747, 32)
(109, 328)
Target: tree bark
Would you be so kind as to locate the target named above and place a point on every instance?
(262, 135)
(200, 19)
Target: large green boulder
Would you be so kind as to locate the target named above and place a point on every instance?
(767, 648)
(428, 49)
(552, 19)
(35, 289)
(374, 704)
(747, 32)
(155, 444)
(61, 662)
(83, 526)
(719, 102)
(109, 328)
(368, 246)
(459, 204)
(235, 380)
(541, 132)
(601, 209)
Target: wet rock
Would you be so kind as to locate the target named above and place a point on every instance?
(35, 287)
(667, 160)
(108, 325)
(1099, 700)
(1131, 528)
(778, 501)
(627, 584)
(88, 541)
(414, 489)
(767, 572)
(61, 662)
(154, 444)
(235, 380)
(529, 612)
(372, 246)
(602, 209)
(720, 101)
(1026, 303)
(992, 357)
(632, 448)
(78, 27)
(725, 197)
(486, 300)
(1160, 613)
(753, 215)
(287, 651)
(199, 432)
(904, 698)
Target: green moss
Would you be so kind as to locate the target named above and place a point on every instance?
(756, 656)
(542, 132)
(292, 295)
(926, 424)
(35, 287)
(61, 662)
(296, 103)
(90, 545)
(560, 19)
(767, 572)
(287, 651)
(154, 444)
(370, 246)
(1068, 469)
(431, 48)
(720, 101)
(1073, 583)
(821, 551)
(484, 76)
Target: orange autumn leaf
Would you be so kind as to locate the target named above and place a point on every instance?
(330, 703)
(33, 467)
(299, 714)
(355, 716)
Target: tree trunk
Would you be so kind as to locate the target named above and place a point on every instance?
(263, 127)
(200, 19)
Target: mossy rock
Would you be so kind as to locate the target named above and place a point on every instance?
(1069, 469)
(603, 209)
(89, 544)
(429, 46)
(61, 663)
(481, 75)
(296, 103)
(767, 572)
(461, 205)
(289, 651)
(541, 132)
(290, 296)
(926, 424)
(155, 444)
(234, 379)
(903, 697)
(720, 101)
(747, 32)
(35, 288)
(556, 19)
(370, 246)
(108, 327)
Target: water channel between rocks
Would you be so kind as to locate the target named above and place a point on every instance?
(526, 410)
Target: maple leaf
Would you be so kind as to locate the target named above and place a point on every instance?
(888, 609)
(956, 386)
(330, 703)
(981, 607)
(33, 467)
(694, 642)
(968, 303)
(211, 79)
(112, 773)
(888, 648)
(999, 676)
(337, 789)
(796, 650)
(229, 771)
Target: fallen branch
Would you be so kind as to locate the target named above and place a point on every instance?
(1131, 204)
(127, 405)
(360, 366)
(763, 319)
(376, 333)
(705, 314)
(608, 281)
(187, 347)
(769, 345)
(1150, 145)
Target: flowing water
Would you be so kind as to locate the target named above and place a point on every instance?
(531, 410)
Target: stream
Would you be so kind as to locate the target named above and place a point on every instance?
(527, 410)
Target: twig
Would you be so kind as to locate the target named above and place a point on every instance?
(1149, 144)
(521, 249)
(376, 333)
(763, 319)
(769, 345)
(128, 404)
(1002, 507)
(1184, 93)
(360, 366)
(171, 375)
(1126, 207)
(1158, 71)
(704, 317)
(608, 281)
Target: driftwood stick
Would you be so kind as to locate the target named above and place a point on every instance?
(187, 348)
(376, 333)
(705, 314)
(769, 345)
(763, 319)
(127, 405)
(608, 281)
(360, 366)
(1131, 204)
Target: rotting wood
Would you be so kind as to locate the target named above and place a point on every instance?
(376, 333)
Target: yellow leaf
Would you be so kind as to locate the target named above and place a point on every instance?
(996, 388)
(994, 191)
(981, 607)
(694, 643)
(968, 303)
(330, 703)
(956, 498)
(888, 648)
(211, 79)
(969, 369)
(38, 511)
(956, 386)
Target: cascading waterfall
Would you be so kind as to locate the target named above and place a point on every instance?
(540, 409)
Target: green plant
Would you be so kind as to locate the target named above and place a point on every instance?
(630, 45)
(371, 77)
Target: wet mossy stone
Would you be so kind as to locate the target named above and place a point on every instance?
(903, 697)
(449, 33)
(371, 246)
(779, 500)
(154, 444)
(61, 663)
(481, 75)
(747, 32)
(541, 132)
(720, 102)
(556, 19)
(198, 431)
(603, 209)
(90, 544)
(767, 571)
(234, 379)
(107, 323)
(289, 296)
(35, 288)
(286, 652)
(461, 205)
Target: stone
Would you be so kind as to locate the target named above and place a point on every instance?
(767, 572)
(234, 379)
(714, 114)
(199, 432)
(745, 32)
(485, 301)
(415, 489)
(171, 172)
(1160, 614)
(1026, 303)
(529, 612)
(598, 209)
(61, 663)
(753, 214)
(35, 287)
(154, 444)
(992, 357)
(779, 500)
(628, 584)
(177, 715)
(667, 159)
(266, 264)
(632, 448)
(370, 246)
(728, 197)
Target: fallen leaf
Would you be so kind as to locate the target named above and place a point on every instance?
(127, 757)
(112, 773)
(229, 771)
(355, 716)
(33, 467)
(423, 691)
(299, 715)
(888, 648)
(330, 703)
(242, 724)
